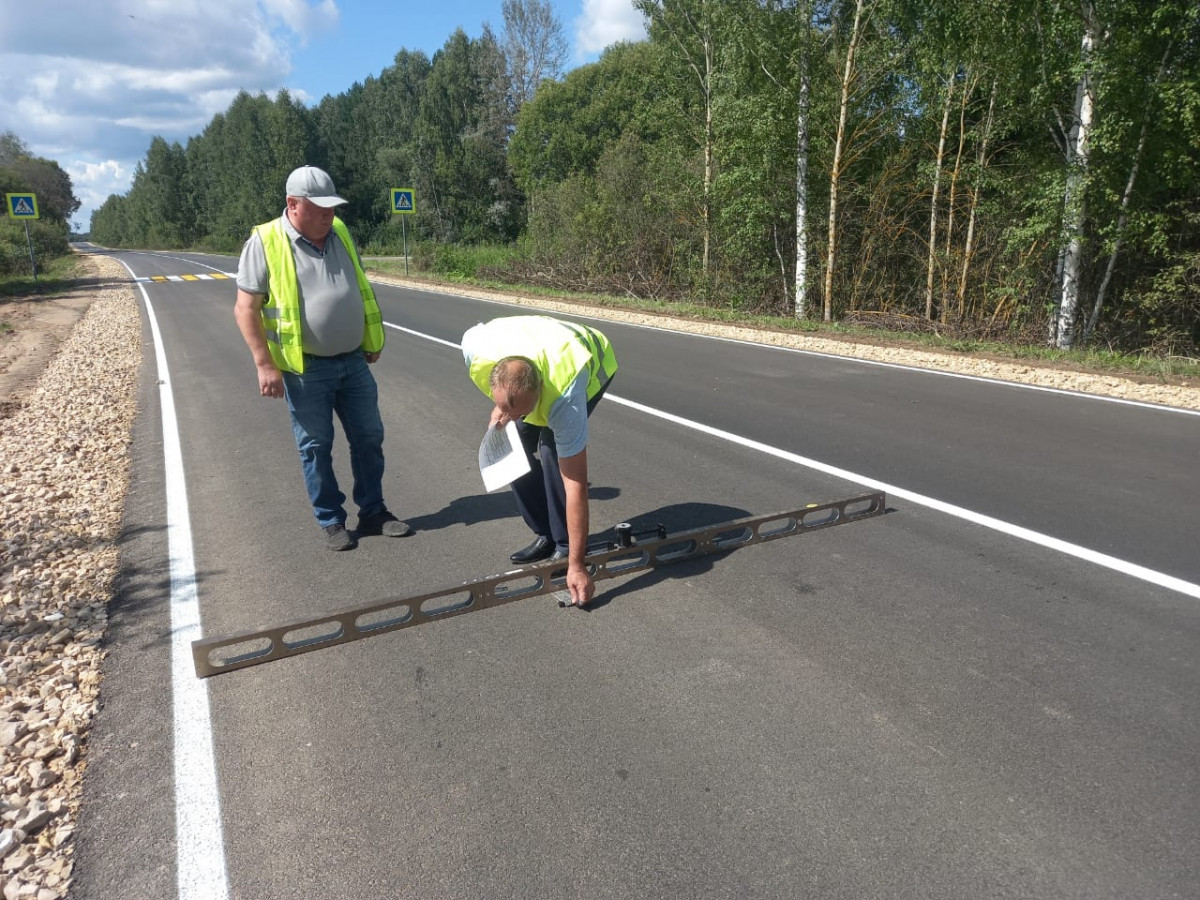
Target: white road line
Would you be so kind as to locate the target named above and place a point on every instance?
(190, 262)
(427, 337)
(1025, 534)
(199, 842)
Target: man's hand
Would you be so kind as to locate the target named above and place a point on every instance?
(270, 381)
(581, 585)
(371, 357)
(499, 418)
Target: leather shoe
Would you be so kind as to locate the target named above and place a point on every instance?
(541, 548)
(559, 553)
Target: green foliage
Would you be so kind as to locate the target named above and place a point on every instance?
(44, 177)
(463, 261)
(227, 180)
(463, 127)
(621, 175)
(21, 172)
(568, 125)
(615, 229)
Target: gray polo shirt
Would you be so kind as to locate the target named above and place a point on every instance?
(331, 305)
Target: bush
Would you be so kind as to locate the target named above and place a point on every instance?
(49, 240)
(461, 260)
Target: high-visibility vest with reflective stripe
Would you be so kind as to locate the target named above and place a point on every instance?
(558, 350)
(281, 312)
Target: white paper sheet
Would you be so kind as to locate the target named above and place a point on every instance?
(502, 459)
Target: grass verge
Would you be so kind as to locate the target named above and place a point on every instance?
(55, 275)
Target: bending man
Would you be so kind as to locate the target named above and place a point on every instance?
(547, 375)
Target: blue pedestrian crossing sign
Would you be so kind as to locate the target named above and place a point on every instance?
(21, 206)
(404, 201)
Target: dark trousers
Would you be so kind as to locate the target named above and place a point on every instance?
(540, 494)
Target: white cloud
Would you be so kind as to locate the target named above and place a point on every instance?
(95, 182)
(303, 19)
(88, 83)
(605, 22)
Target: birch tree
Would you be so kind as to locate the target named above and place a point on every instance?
(534, 47)
(933, 203)
(803, 104)
(850, 75)
(982, 155)
(1077, 147)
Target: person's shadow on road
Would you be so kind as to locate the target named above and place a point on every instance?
(485, 508)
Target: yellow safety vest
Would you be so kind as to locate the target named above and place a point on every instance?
(281, 312)
(558, 350)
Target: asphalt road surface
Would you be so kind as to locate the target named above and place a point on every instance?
(990, 691)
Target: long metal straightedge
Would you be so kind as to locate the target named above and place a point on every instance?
(251, 648)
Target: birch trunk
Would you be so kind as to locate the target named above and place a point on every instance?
(835, 170)
(706, 82)
(969, 82)
(1075, 201)
(933, 205)
(980, 163)
(802, 176)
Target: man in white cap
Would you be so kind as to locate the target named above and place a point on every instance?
(309, 316)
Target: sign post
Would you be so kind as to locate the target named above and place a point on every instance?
(404, 203)
(24, 207)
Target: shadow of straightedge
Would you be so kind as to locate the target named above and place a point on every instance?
(675, 519)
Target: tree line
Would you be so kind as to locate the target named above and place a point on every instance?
(23, 173)
(1018, 169)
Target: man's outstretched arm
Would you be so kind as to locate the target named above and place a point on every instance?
(575, 481)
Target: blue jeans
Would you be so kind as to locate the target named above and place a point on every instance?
(343, 385)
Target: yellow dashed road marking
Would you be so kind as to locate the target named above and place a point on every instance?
(203, 276)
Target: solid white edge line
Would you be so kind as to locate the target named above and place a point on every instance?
(422, 335)
(199, 841)
(1025, 534)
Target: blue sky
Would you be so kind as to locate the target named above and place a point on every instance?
(370, 32)
(88, 83)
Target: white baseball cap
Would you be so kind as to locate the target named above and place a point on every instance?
(314, 185)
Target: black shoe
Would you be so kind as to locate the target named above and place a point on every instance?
(338, 538)
(383, 523)
(541, 548)
(559, 553)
